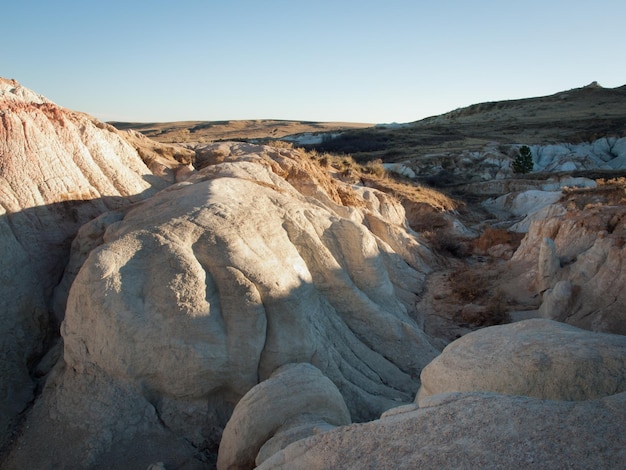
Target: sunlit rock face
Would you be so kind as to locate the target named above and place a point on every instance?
(58, 170)
(195, 295)
(235, 273)
(536, 358)
(581, 277)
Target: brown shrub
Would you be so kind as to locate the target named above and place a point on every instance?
(280, 144)
(496, 236)
(468, 285)
(446, 243)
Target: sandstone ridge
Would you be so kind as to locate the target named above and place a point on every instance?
(58, 170)
(253, 262)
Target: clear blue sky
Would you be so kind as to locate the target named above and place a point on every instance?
(365, 61)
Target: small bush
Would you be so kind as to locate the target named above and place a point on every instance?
(497, 311)
(375, 167)
(468, 285)
(447, 244)
(280, 144)
(495, 236)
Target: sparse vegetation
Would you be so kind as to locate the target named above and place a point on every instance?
(523, 163)
(609, 191)
(467, 284)
(491, 237)
(446, 243)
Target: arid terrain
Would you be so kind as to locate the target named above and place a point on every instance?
(203, 132)
(296, 295)
(574, 116)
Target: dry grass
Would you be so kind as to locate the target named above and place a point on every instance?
(468, 285)
(480, 305)
(213, 131)
(371, 174)
(579, 115)
(446, 243)
(406, 190)
(495, 236)
(609, 191)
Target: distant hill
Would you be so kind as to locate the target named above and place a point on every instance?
(574, 116)
(212, 131)
(579, 115)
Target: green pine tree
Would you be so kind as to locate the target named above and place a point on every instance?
(523, 163)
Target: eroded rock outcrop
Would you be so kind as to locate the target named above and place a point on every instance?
(58, 169)
(187, 300)
(536, 358)
(296, 401)
(586, 262)
(472, 430)
(534, 394)
(492, 164)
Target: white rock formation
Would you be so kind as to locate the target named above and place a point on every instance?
(400, 169)
(547, 212)
(295, 397)
(187, 300)
(557, 301)
(58, 169)
(591, 250)
(535, 358)
(561, 404)
(494, 162)
(526, 204)
(472, 430)
(605, 153)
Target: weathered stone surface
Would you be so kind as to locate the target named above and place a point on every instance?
(240, 260)
(491, 164)
(536, 358)
(58, 169)
(294, 395)
(473, 430)
(523, 203)
(590, 247)
(87, 421)
(557, 301)
(523, 226)
(606, 153)
(194, 296)
(549, 264)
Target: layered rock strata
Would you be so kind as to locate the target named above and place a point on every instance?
(184, 302)
(58, 170)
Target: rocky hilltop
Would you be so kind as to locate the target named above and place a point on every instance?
(235, 305)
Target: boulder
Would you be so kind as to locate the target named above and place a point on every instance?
(557, 301)
(87, 421)
(523, 226)
(536, 358)
(273, 406)
(240, 260)
(473, 430)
